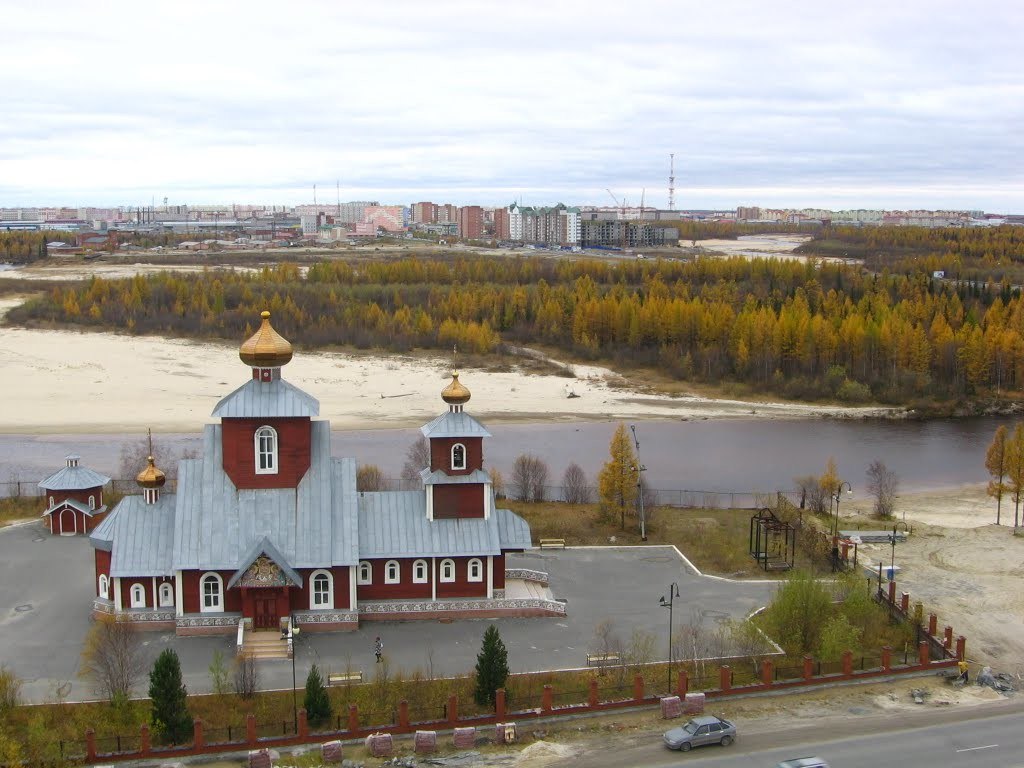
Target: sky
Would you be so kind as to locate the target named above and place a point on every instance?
(897, 104)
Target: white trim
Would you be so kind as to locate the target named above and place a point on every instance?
(353, 589)
(488, 500)
(429, 490)
(451, 457)
(329, 604)
(433, 578)
(117, 593)
(479, 570)
(137, 595)
(219, 607)
(490, 577)
(450, 580)
(51, 502)
(103, 586)
(156, 599)
(166, 589)
(74, 521)
(179, 593)
(92, 502)
(272, 453)
(416, 565)
(388, 579)
(368, 579)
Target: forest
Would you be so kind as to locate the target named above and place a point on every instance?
(803, 330)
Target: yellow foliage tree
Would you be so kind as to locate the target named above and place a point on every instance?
(617, 480)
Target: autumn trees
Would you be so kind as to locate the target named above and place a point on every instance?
(617, 482)
(1004, 462)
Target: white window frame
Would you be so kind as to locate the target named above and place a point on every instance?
(92, 502)
(365, 574)
(327, 602)
(166, 592)
(417, 567)
(104, 586)
(477, 565)
(137, 596)
(389, 566)
(218, 606)
(447, 571)
(266, 454)
(464, 463)
(51, 501)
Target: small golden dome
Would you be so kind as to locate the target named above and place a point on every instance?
(151, 477)
(455, 393)
(266, 348)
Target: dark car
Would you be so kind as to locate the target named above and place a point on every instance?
(699, 731)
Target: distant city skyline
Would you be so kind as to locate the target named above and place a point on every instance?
(907, 105)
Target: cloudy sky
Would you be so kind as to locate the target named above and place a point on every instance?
(893, 104)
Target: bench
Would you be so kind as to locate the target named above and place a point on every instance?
(602, 659)
(552, 543)
(336, 678)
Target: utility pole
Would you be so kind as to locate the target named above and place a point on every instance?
(639, 469)
(672, 182)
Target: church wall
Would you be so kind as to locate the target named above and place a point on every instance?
(300, 596)
(294, 437)
(458, 501)
(499, 571)
(102, 561)
(462, 587)
(441, 454)
(190, 592)
(378, 590)
(81, 496)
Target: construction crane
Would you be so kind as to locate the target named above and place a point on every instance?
(622, 217)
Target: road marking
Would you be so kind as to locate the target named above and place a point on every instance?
(972, 749)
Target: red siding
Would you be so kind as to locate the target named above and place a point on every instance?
(126, 591)
(300, 596)
(462, 587)
(81, 496)
(378, 590)
(458, 501)
(293, 452)
(441, 454)
(190, 592)
(102, 560)
(499, 571)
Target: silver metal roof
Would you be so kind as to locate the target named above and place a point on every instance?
(395, 524)
(73, 479)
(451, 424)
(218, 523)
(438, 477)
(264, 399)
(513, 531)
(84, 508)
(144, 534)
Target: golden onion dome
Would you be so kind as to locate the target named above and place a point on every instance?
(455, 393)
(151, 477)
(266, 348)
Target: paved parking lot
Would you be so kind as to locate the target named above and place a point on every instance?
(46, 589)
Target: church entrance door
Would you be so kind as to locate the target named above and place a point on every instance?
(264, 612)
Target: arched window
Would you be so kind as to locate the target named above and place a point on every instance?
(51, 501)
(166, 595)
(211, 593)
(103, 586)
(266, 451)
(458, 456)
(392, 572)
(419, 572)
(447, 570)
(321, 590)
(138, 596)
(365, 572)
(92, 502)
(476, 570)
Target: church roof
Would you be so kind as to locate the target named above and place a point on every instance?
(80, 506)
(218, 523)
(267, 399)
(73, 479)
(265, 547)
(454, 424)
(395, 524)
(144, 534)
(437, 477)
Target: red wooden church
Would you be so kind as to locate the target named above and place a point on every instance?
(268, 525)
(74, 499)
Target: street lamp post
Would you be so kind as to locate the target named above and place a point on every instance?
(290, 636)
(639, 469)
(673, 593)
(836, 497)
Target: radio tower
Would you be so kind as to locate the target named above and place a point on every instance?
(672, 182)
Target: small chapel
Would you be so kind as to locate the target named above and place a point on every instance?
(267, 529)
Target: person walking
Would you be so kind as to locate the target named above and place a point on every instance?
(962, 666)
(378, 649)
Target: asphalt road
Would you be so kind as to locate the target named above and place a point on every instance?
(986, 736)
(46, 592)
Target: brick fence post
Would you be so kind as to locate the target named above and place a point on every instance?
(767, 671)
(303, 724)
(886, 658)
(90, 745)
(724, 677)
(638, 687)
(961, 648)
(197, 734)
(892, 593)
(453, 709)
(403, 713)
(546, 699)
(808, 667)
(593, 697)
(144, 741)
(947, 636)
(924, 656)
(683, 683)
(933, 624)
(353, 718)
(847, 663)
(250, 729)
(905, 602)
(499, 703)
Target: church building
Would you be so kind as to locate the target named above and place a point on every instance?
(74, 499)
(267, 526)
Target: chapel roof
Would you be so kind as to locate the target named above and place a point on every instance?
(266, 348)
(267, 399)
(73, 478)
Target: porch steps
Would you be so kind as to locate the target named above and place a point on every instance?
(264, 645)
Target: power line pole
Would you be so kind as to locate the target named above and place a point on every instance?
(672, 182)
(639, 469)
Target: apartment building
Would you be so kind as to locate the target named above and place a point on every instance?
(424, 213)
(556, 225)
(391, 218)
(471, 222)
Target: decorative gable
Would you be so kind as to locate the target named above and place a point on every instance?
(264, 566)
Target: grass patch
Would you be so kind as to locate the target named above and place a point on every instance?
(20, 508)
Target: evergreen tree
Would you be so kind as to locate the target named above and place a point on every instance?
(491, 667)
(170, 716)
(617, 480)
(317, 702)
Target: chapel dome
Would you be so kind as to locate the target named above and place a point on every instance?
(151, 477)
(455, 393)
(266, 348)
